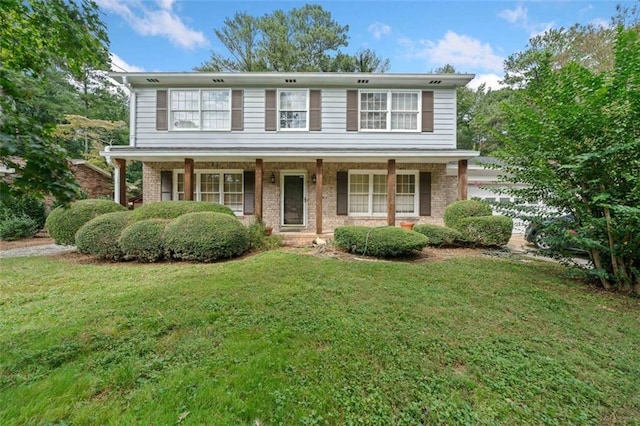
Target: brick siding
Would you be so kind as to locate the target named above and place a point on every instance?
(443, 190)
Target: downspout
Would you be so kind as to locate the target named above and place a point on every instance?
(132, 111)
(116, 173)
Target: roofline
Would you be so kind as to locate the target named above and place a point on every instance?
(332, 155)
(224, 79)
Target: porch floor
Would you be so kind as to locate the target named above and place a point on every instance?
(301, 239)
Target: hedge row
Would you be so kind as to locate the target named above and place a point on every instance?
(440, 236)
(203, 236)
(477, 224)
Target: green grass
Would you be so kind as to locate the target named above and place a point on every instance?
(287, 338)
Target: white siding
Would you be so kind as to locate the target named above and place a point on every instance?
(333, 132)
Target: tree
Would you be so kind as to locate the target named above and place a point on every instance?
(304, 39)
(572, 136)
(589, 45)
(36, 37)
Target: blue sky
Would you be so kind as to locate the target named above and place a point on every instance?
(416, 36)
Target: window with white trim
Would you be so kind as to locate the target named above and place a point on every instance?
(293, 109)
(397, 111)
(368, 193)
(200, 110)
(224, 187)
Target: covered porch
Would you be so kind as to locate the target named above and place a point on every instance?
(302, 191)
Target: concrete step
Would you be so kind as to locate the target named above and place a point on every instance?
(300, 239)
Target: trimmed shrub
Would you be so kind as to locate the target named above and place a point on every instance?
(258, 238)
(24, 205)
(205, 237)
(387, 241)
(17, 227)
(100, 235)
(440, 236)
(63, 222)
(142, 241)
(487, 230)
(173, 209)
(455, 212)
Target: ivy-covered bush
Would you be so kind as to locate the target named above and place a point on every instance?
(173, 209)
(456, 212)
(487, 230)
(387, 241)
(440, 236)
(142, 241)
(258, 238)
(100, 235)
(63, 222)
(17, 227)
(25, 205)
(205, 237)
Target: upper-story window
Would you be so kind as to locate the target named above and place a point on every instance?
(389, 110)
(200, 110)
(293, 108)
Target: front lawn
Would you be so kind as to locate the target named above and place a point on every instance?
(289, 338)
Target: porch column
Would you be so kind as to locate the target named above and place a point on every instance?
(319, 196)
(462, 179)
(188, 179)
(258, 189)
(391, 192)
(120, 195)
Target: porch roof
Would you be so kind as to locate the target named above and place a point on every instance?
(331, 155)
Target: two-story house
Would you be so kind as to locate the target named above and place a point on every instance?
(301, 151)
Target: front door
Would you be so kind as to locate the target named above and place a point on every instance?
(293, 199)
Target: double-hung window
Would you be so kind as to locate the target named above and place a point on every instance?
(368, 193)
(200, 110)
(389, 110)
(293, 109)
(222, 187)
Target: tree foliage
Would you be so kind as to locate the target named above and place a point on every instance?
(39, 39)
(304, 39)
(573, 137)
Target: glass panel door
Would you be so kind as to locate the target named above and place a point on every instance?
(293, 208)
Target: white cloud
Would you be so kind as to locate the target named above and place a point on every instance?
(520, 17)
(600, 23)
(461, 51)
(378, 30)
(491, 81)
(161, 21)
(119, 65)
(519, 14)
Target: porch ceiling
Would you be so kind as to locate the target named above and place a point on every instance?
(273, 155)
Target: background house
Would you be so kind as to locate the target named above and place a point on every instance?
(300, 151)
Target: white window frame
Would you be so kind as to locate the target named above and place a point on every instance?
(197, 194)
(390, 111)
(200, 111)
(371, 173)
(293, 129)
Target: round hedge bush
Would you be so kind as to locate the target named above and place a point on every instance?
(487, 230)
(173, 209)
(205, 237)
(455, 212)
(142, 241)
(63, 222)
(387, 241)
(100, 235)
(439, 236)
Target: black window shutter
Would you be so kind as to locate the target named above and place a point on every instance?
(342, 190)
(315, 110)
(166, 185)
(270, 116)
(249, 191)
(425, 194)
(352, 111)
(162, 121)
(237, 109)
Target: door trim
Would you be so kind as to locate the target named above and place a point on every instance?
(303, 174)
